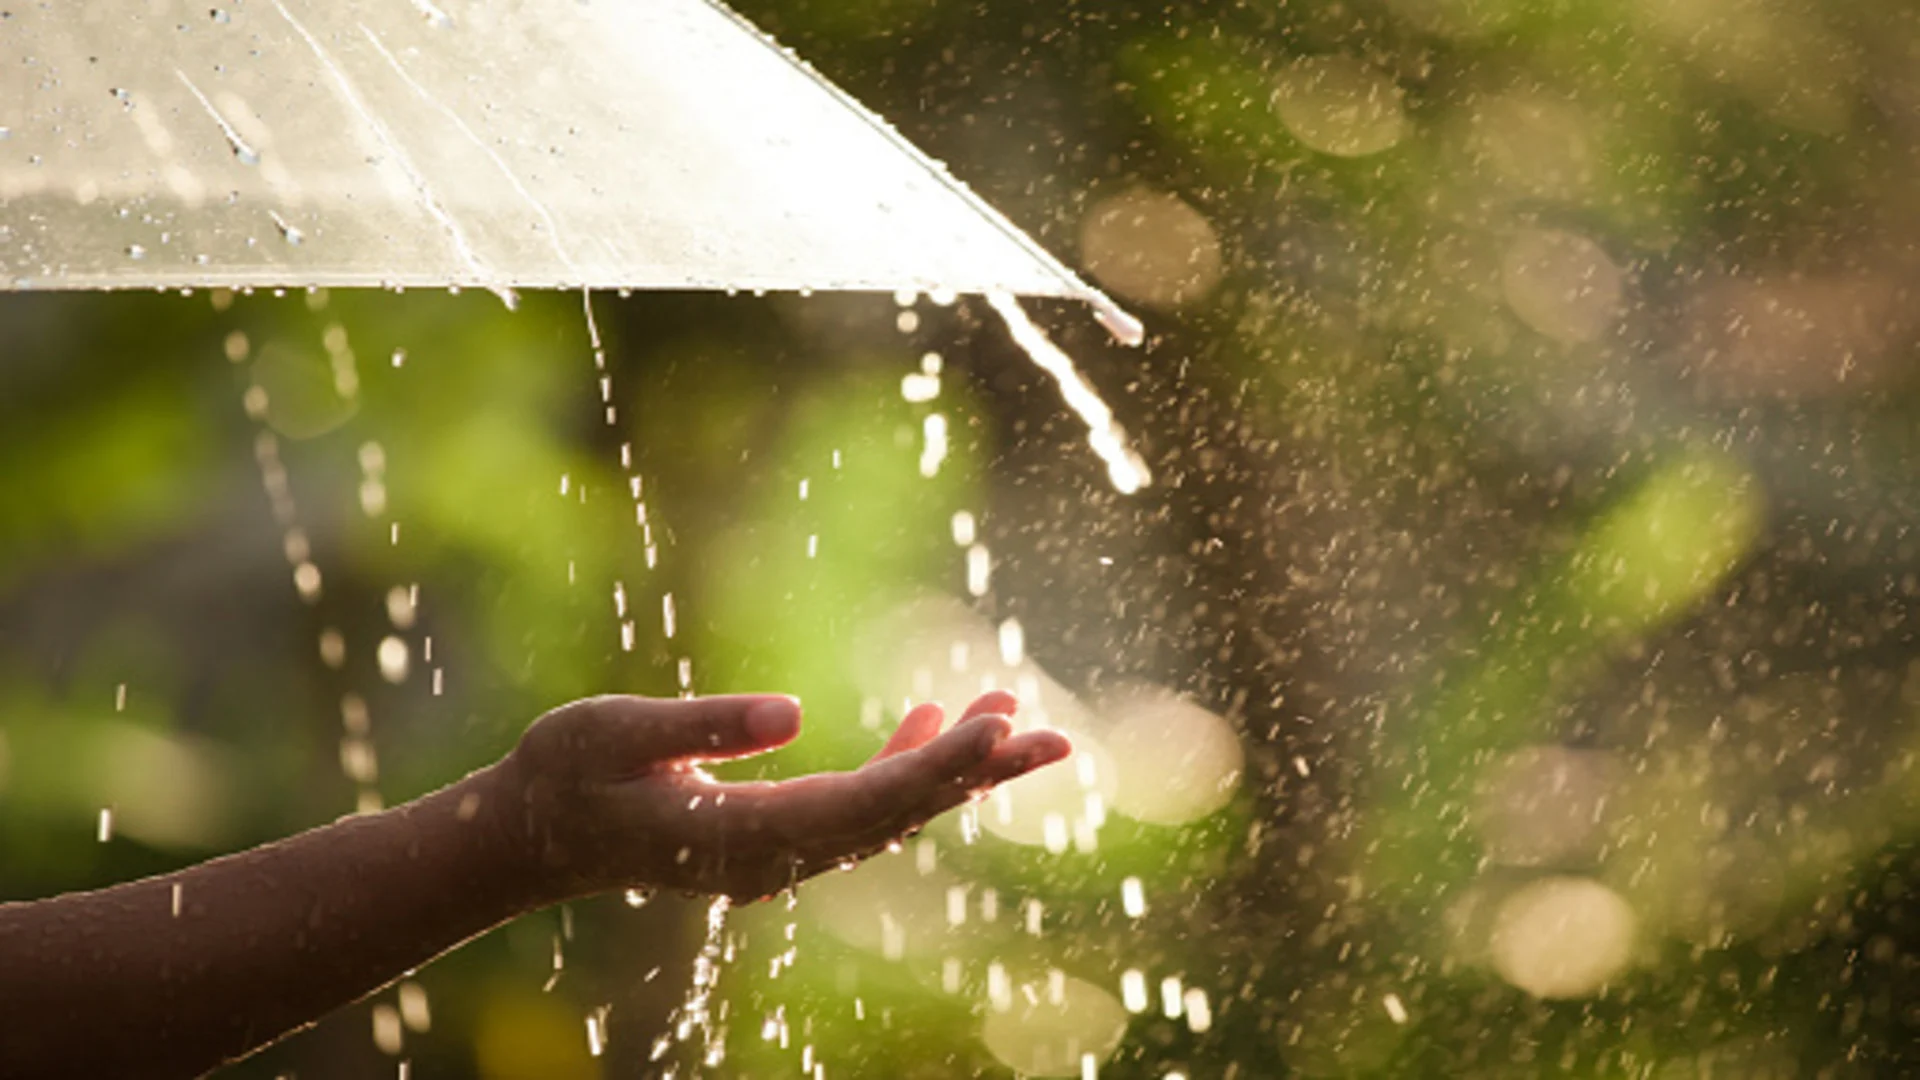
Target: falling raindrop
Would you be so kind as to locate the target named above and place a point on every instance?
(415, 1012)
(395, 659)
(433, 14)
(288, 232)
(1124, 467)
(387, 1031)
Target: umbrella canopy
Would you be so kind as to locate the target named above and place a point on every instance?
(526, 143)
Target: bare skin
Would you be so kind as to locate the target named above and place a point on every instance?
(173, 975)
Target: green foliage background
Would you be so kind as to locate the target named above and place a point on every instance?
(1396, 533)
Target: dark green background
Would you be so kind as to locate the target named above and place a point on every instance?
(1395, 532)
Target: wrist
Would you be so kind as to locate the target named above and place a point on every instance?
(538, 820)
(500, 808)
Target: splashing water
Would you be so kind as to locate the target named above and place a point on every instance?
(1125, 468)
(1125, 328)
(695, 1015)
(697, 1026)
(359, 760)
(636, 489)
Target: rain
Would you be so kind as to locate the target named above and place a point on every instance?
(1444, 463)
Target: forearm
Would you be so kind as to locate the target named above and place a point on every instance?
(172, 975)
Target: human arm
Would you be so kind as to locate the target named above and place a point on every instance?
(172, 975)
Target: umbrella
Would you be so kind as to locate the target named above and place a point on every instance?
(535, 143)
(650, 144)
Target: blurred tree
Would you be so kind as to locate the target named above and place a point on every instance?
(1530, 405)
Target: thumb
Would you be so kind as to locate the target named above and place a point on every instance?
(710, 729)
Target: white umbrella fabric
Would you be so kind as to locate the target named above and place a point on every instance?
(496, 144)
(500, 144)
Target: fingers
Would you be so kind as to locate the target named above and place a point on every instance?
(1011, 760)
(840, 811)
(639, 733)
(834, 817)
(894, 781)
(920, 725)
(813, 823)
(947, 782)
(922, 722)
(1021, 755)
(994, 702)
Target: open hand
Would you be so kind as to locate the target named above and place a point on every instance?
(609, 792)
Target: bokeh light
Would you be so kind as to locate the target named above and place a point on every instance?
(1545, 805)
(1054, 1026)
(892, 908)
(1533, 145)
(1562, 937)
(1561, 284)
(935, 648)
(1339, 105)
(1174, 761)
(1151, 247)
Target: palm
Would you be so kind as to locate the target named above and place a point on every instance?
(628, 802)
